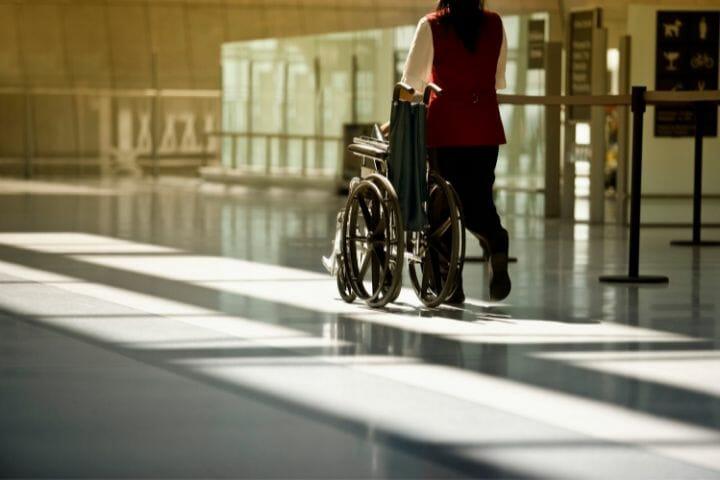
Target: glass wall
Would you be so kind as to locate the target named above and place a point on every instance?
(285, 101)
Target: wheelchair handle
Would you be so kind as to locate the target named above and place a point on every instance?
(399, 87)
(431, 87)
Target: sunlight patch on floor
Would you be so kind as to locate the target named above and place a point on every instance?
(695, 370)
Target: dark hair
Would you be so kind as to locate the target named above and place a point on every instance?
(465, 17)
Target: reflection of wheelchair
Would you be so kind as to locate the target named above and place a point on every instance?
(372, 244)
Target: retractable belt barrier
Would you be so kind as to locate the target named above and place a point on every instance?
(701, 109)
(638, 101)
(650, 98)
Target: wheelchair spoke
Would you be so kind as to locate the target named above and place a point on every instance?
(369, 220)
(380, 226)
(366, 262)
(427, 272)
(380, 257)
(437, 275)
(442, 229)
(437, 247)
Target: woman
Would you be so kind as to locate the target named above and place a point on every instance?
(462, 48)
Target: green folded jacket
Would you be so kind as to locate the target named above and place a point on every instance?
(407, 162)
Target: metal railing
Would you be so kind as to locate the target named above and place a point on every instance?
(93, 138)
(113, 92)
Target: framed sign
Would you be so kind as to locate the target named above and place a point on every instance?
(582, 26)
(687, 55)
(536, 44)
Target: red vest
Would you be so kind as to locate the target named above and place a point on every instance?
(466, 113)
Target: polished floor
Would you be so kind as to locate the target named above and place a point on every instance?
(180, 330)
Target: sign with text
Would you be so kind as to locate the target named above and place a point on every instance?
(536, 44)
(687, 55)
(582, 26)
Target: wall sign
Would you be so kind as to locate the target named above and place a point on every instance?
(582, 25)
(536, 44)
(688, 45)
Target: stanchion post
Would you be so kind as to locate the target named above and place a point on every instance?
(638, 112)
(700, 109)
(638, 106)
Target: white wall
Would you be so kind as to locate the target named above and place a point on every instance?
(668, 162)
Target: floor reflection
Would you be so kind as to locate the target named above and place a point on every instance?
(228, 290)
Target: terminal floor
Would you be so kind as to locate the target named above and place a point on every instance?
(171, 330)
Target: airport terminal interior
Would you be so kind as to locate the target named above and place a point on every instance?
(173, 174)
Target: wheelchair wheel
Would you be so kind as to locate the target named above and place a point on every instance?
(343, 286)
(461, 219)
(372, 242)
(397, 256)
(434, 275)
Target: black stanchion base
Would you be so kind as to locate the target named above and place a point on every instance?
(485, 259)
(647, 279)
(691, 243)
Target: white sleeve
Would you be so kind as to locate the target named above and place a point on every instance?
(500, 82)
(420, 57)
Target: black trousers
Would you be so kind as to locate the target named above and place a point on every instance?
(471, 171)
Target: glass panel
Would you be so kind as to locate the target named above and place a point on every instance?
(521, 164)
(293, 96)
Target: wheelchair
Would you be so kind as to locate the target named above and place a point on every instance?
(372, 246)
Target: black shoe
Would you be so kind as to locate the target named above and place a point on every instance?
(499, 279)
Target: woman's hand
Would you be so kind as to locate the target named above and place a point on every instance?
(385, 129)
